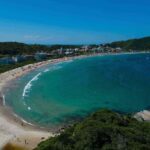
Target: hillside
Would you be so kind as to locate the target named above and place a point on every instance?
(134, 44)
(15, 48)
(105, 130)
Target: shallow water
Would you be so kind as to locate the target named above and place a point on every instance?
(56, 94)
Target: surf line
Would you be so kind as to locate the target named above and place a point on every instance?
(29, 85)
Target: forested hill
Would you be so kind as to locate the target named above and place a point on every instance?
(103, 130)
(15, 48)
(134, 44)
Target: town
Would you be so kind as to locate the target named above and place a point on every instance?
(40, 55)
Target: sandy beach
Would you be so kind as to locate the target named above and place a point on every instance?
(13, 130)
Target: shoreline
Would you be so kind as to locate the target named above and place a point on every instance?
(13, 129)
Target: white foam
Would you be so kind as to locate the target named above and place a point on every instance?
(29, 85)
(56, 67)
(24, 121)
(68, 61)
(53, 68)
(4, 102)
(24, 103)
(29, 108)
(46, 70)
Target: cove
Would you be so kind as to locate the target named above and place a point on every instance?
(63, 92)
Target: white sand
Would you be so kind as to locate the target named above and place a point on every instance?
(12, 132)
(10, 129)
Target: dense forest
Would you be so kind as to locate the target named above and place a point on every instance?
(134, 44)
(103, 130)
(15, 48)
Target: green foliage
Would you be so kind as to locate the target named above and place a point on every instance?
(105, 130)
(15, 48)
(4, 68)
(135, 44)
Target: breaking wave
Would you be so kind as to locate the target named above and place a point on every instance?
(29, 85)
(53, 68)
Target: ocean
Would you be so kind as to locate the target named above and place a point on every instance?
(64, 92)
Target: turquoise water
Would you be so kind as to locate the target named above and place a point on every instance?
(56, 94)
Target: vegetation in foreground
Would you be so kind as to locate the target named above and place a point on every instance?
(103, 130)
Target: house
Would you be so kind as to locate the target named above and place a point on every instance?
(40, 56)
(60, 51)
(85, 48)
(19, 58)
(76, 49)
(7, 60)
(100, 49)
(118, 49)
(69, 51)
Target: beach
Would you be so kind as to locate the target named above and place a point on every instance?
(12, 128)
(17, 131)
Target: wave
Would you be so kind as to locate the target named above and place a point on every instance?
(56, 67)
(69, 61)
(53, 68)
(29, 85)
(24, 121)
(46, 70)
(4, 102)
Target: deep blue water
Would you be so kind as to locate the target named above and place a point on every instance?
(59, 93)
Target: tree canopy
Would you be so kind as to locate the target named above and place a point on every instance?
(105, 130)
(15, 48)
(134, 44)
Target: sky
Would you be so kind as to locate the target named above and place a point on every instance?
(73, 21)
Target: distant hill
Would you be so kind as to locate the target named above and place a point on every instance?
(134, 44)
(15, 48)
(103, 130)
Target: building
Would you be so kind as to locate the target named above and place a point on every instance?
(85, 48)
(19, 58)
(40, 56)
(118, 49)
(60, 51)
(7, 60)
